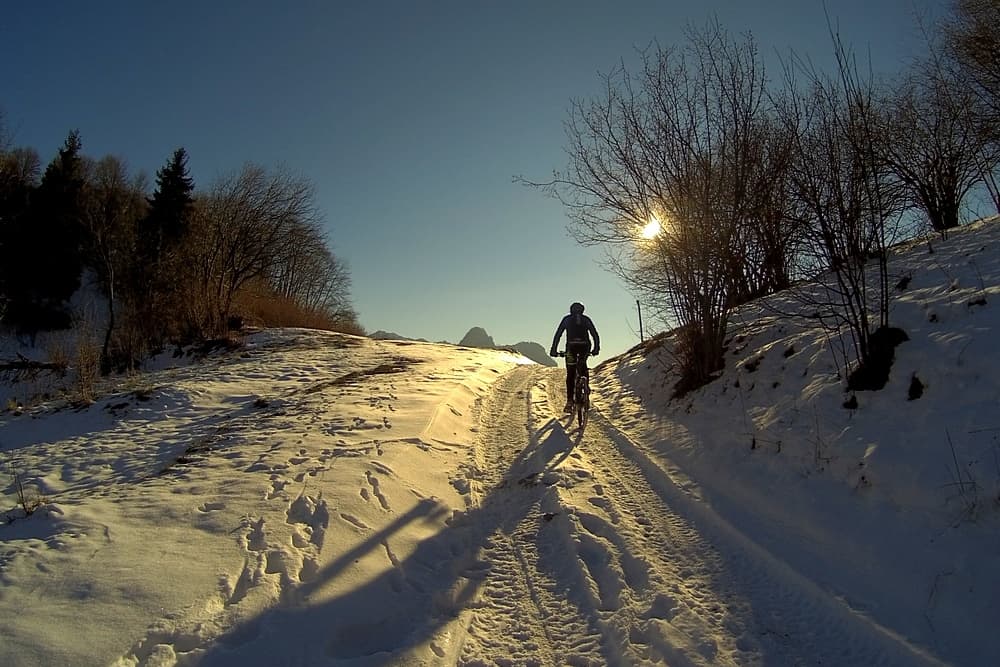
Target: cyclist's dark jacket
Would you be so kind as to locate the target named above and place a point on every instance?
(577, 328)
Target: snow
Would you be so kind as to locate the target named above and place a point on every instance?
(322, 499)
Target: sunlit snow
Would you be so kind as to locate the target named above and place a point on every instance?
(322, 499)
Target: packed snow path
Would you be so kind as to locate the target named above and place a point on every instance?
(591, 556)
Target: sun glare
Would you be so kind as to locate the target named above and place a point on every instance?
(651, 229)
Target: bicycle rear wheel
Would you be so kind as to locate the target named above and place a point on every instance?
(581, 399)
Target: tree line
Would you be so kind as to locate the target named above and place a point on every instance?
(758, 185)
(173, 266)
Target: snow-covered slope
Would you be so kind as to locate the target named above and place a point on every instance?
(893, 506)
(324, 499)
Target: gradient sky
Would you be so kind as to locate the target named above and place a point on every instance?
(410, 118)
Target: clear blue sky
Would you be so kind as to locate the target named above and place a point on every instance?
(411, 118)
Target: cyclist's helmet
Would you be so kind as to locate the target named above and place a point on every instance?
(576, 308)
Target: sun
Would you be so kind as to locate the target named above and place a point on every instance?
(651, 229)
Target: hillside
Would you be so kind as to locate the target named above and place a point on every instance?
(894, 505)
(316, 498)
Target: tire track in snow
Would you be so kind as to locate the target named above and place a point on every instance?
(712, 595)
(643, 561)
(525, 613)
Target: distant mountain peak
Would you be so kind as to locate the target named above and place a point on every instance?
(535, 352)
(477, 337)
(389, 335)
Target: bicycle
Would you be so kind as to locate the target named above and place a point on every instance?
(581, 389)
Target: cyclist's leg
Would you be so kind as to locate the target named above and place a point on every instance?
(570, 380)
(582, 348)
(575, 360)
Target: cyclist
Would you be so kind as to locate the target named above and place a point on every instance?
(579, 331)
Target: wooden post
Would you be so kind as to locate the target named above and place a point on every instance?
(639, 308)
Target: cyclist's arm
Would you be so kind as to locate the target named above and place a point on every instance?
(559, 333)
(593, 332)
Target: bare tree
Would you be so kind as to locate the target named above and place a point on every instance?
(771, 235)
(974, 42)
(20, 170)
(113, 203)
(972, 46)
(5, 138)
(332, 292)
(851, 203)
(309, 274)
(936, 145)
(683, 144)
(22, 165)
(241, 228)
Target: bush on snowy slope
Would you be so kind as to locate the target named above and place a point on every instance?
(60, 365)
(66, 364)
(930, 439)
(43, 364)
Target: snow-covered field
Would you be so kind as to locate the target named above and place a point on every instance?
(320, 499)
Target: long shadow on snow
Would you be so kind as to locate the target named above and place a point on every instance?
(381, 620)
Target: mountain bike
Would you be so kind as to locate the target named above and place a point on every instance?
(581, 387)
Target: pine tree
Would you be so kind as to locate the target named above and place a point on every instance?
(45, 244)
(160, 236)
(169, 210)
(19, 173)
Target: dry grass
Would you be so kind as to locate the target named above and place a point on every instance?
(88, 363)
(273, 311)
(28, 497)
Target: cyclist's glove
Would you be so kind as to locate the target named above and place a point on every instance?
(596, 351)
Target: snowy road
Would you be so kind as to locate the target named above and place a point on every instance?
(327, 500)
(592, 556)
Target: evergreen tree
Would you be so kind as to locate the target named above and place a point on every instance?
(169, 210)
(19, 171)
(45, 244)
(157, 281)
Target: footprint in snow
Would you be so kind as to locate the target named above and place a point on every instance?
(255, 540)
(373, 482)
(313, 515)
(604, 504)
(382, 468)
(277, 489)
(600, 564)
(212, 507)
(355, 521)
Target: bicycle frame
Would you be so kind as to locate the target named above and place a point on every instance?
(581, 389)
